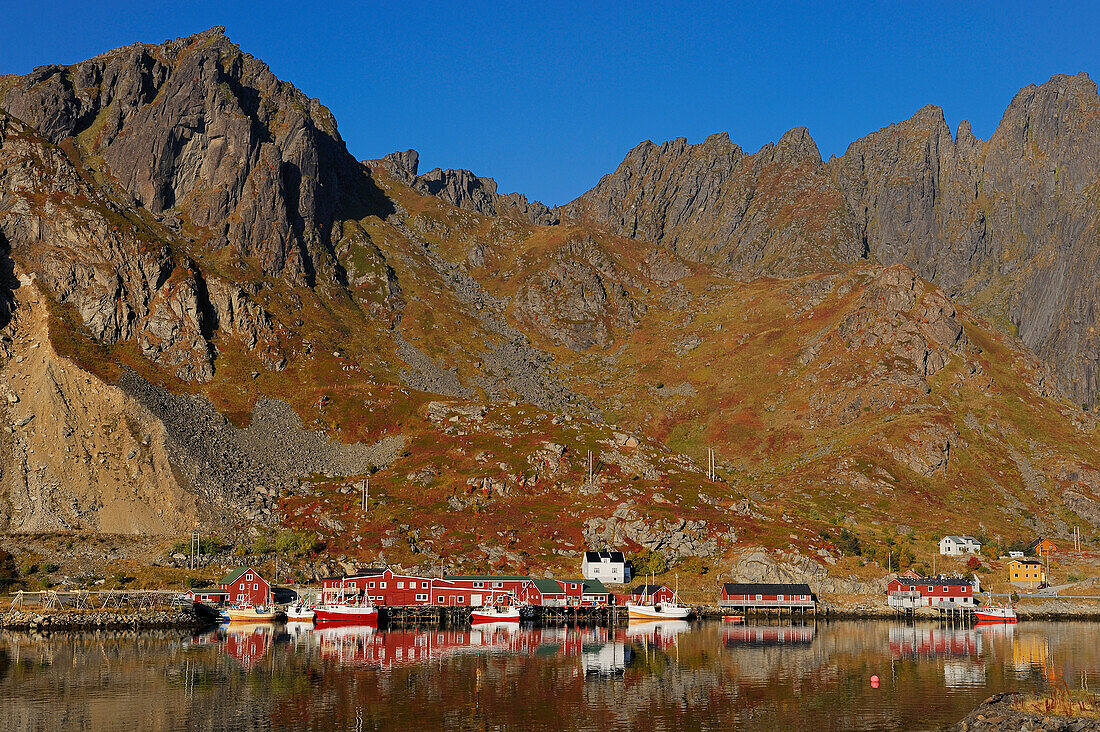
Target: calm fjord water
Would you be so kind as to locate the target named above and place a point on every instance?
(664, 676)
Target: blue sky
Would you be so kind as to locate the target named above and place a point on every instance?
(548, 98)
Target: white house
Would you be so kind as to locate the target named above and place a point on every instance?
(955, 545)
(605, 567)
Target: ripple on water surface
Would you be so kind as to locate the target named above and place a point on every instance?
(656, 676)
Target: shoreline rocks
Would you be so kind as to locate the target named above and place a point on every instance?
(45, 621)
(996, 714)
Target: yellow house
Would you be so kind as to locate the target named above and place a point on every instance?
(1043, 546)
(1028, 573)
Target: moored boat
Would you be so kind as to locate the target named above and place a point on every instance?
(361, 614)
(658, 611)
(495, 614)
(252, 614)
(734, 618)
(300, 612)
(996, 614)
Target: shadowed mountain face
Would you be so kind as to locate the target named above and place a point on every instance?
(185, 240)
(1010, 225)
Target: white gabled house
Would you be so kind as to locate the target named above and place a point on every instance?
(953, 546)
(605, 567)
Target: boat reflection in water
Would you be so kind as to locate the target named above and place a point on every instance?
(712, 675)
(660, 633)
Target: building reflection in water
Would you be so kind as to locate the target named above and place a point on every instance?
(768, 635)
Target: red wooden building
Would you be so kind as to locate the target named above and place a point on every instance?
(750, 595)
(904, 593)
(646, 595)
(209, 595)
(549, 592)
(514, 585)
(385, 588)
(245, 587)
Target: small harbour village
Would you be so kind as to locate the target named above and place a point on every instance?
(970, 588)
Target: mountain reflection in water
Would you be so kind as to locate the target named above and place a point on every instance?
(656, 675)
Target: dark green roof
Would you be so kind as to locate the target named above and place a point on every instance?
(234, 576)
(594, 586)
(548, 586)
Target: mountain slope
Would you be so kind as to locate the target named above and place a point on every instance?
(283, 349)
(1009, 225)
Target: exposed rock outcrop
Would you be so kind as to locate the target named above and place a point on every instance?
(674, 538)
(91, 249)
(464, 189)
(579, 297)
(1010, 225)
(196, 127)
(775, 212)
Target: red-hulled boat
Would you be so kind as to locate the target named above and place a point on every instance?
(347, 614)
(995, 614)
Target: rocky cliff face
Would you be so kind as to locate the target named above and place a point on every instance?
(775, 212)
(464, 189)
(205, 330)
(121, 269)
(1010, 225)
(196, 129)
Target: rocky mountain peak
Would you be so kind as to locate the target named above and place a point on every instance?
(797, 146)
(403, 165)
(773, 212)
(462, 188)
(196, 128)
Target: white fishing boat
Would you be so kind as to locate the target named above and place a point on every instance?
(300, 612)
(657, 611)
(653, 610)
(495, 614)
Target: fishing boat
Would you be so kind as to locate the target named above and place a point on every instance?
(671, 610)
(659, 611)
(996, 614)
(495, 614)
(360, 614)
(300, 612)
(252, 613)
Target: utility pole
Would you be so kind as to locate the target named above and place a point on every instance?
(591, 475)
(195, 549)
(366, 494)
